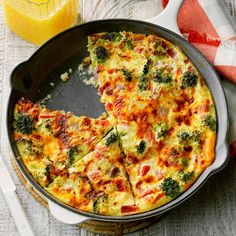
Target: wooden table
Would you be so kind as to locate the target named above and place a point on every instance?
(212, 211)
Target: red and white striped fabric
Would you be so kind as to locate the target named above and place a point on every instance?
(209, 27)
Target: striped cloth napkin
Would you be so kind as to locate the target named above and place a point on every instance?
(209, 27)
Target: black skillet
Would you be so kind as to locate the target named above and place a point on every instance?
(32, 79)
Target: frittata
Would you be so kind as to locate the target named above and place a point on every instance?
(158, 137)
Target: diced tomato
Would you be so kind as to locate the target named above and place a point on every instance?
(150, 136)
(99, 151)
(95, 174)
(127, 209)
(101, 148)
(90, 140)
(110, 71)
(109, 106)
(138, 50)
(158, 197)
(120, 185)
(147, 192)
(144, 170)
(104, 122)
(159, 175)
(46, 116)
(100, 68)
(130, 86)
(203, 162)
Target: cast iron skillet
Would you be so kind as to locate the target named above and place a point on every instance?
(31, 80)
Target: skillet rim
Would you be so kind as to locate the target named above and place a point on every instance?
(151, 213)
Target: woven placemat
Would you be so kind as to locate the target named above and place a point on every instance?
(94, 226)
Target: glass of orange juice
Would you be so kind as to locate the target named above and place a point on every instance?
(38, 20)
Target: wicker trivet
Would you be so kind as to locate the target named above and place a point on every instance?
(94, 226)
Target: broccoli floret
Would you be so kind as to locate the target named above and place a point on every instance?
(189, 135)
(101, 53)
(99, 200)
(185, 177)
(196, 136)
(160, 48)
(141, 147)
(129, 44)
(162, 77)
(145, 69)
(28, 148)
(95, 205)
(142, 83)
(170, 187)
(72, 153)
(189, 79)
(127, 75)
(25, 147)
(210, 122)
(184, 161)
(113, 36)
(24, 124)
(111, 138)
(161, 130)
(184, 135)
(147, 66)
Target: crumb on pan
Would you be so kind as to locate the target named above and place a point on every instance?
(52, 84)
(45, 99)
(64, 77)
(90, 82)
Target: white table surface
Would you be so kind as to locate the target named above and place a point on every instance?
(211, 211)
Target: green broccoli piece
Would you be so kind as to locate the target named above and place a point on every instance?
(210, 122)
(113, 36)
(142, 83)
(111, 138)
(147, 66)
(145, 69)
(141, 147)
(127, 75)
(24, 124)
(162, 77)
(72, 153)
(101, 53)
(26, 147)
(185, 177)
(185, 135)
(129, 44)
(99, 200)
(170, 187)
(189, 135)
(189, 79)
(184, 161)
(196, 136)
(161, 130)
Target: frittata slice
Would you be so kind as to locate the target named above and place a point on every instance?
(50, 141)
(98, 182)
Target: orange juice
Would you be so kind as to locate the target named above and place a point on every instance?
(38, 20)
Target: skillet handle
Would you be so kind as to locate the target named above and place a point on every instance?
(20, 77)
(222, 156)
(168, 17)
(64, 215)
